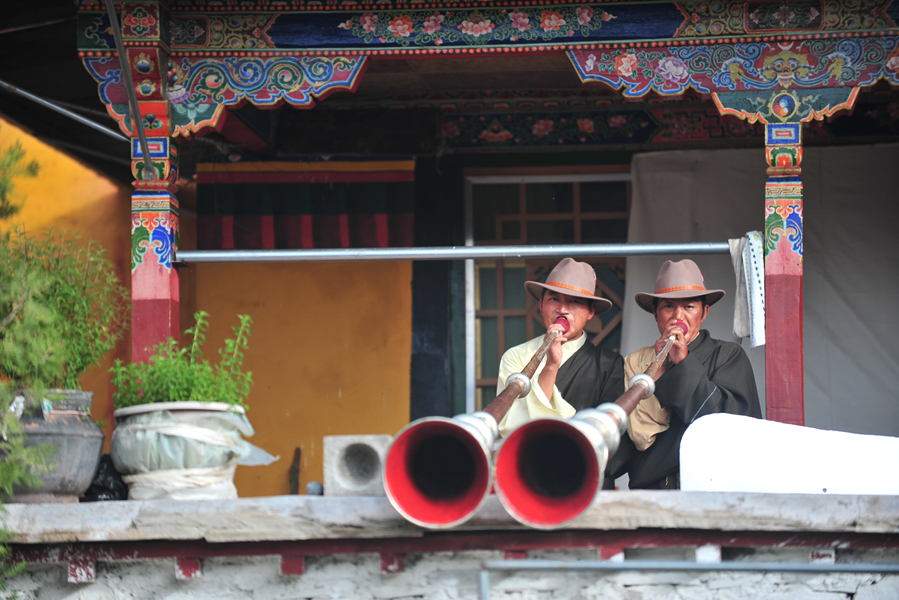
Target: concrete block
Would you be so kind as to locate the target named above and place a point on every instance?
(353, 463)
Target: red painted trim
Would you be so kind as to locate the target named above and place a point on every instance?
(187, 568)
(82, 572)
(520, 541)
(391, 563)
(320, 177)
(267, 225)
(293, 564)
(784, 373)
(610, 552)
(228, 233)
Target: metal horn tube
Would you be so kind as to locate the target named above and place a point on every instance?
(549, 472)
(439, 471)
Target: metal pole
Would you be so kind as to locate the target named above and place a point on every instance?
(484, 585)
(138, 126)
(470, 304)
(449, 253)
(46, 103)
(36, 25)
(679, 565)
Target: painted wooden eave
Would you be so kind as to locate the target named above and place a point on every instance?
(308, 518)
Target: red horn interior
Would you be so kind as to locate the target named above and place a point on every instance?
(437, 473)
(547, 473)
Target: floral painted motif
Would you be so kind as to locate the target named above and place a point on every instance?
(584, 14)
(476, 27)
(451, 130)
(189, 32)
(672, 69)
(495, 132)
(369, 22)
(400, 26)
(432, 23)
(542, 127)
(783, 217)
(893, 62)
(156, 231)
(139, 23)
(625, 64)
(520, 20)
(779, 16)
(710, 18)
(551, 20)
(843, 63)
(554, 129)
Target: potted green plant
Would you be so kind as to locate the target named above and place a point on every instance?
(179, 418)
(63, 309)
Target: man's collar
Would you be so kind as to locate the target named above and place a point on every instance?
(575, 345)
(703, 334)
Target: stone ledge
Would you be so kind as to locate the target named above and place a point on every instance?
(285, 518)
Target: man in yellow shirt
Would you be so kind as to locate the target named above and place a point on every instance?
(575, 374)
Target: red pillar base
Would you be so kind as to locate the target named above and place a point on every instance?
(784, 381)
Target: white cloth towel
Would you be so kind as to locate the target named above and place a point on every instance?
(749, 304)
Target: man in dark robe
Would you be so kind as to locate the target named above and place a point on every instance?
(700, 376)
(575, 374)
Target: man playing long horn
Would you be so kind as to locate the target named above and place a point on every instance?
(575, 374)
(700, 376)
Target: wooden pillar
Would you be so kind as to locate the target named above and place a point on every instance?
(154, 283)
(154, 207)
(784, 387)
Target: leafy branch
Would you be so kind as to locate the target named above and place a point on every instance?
(13, 166)
(176, 374)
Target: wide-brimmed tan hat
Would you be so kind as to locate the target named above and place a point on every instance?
(681, 279)
(572, 278)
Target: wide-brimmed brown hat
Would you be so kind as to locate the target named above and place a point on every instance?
(681, 279)
(572, 278)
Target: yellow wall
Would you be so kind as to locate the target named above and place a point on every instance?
(329, 351)
(68, 195)
(331, 342)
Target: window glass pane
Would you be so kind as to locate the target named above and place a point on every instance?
(516, 331)
(608, 231)
(488, 357)
(486, 287)
(549, 198)
(513, 287)
(489, 201)
(613, 279)
(511, 230)
(550, 232)
(604, 196)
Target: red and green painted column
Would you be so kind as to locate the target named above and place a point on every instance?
(783, 112)
(784, 387)
(154, 207)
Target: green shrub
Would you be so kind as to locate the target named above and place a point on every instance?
(176, 374)
(77, 282)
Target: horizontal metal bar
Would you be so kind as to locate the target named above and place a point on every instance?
(35, 25)
(76, 117)
(449, 253)
(683, 565)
